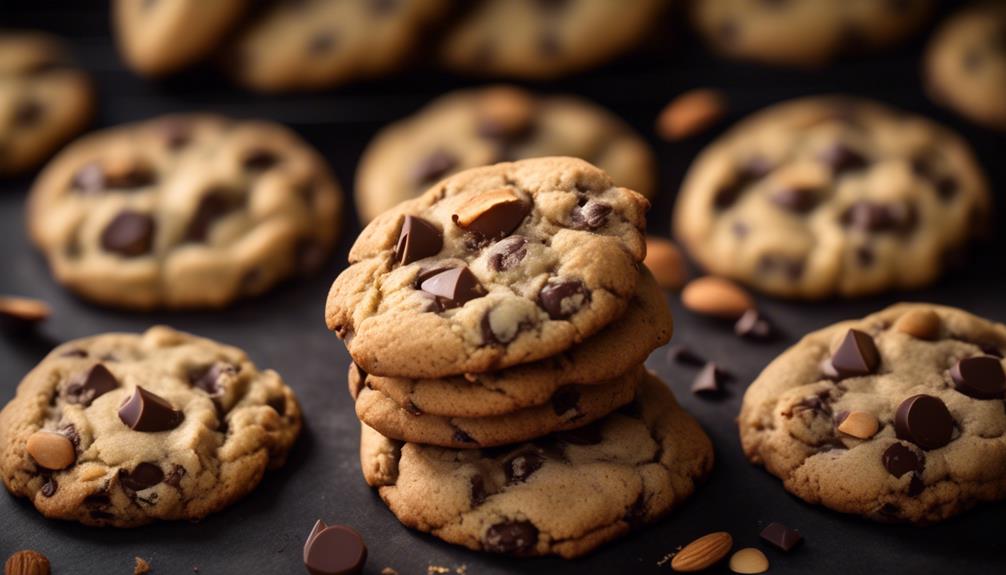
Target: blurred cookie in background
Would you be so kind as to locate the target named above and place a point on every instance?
(832, 196)
(966, 64)
(536, 39)
(483, 126)
(804, 33)
(188, 211)
(312, 44)
(43, 100)
(158, 37)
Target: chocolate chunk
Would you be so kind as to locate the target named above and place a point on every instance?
(493, 215)
(478, 490)
(434, 166)
(857, 355)
(781, 536)
(900, 459)
(49, 487)
(214, 205)
(462, 437)
(840, 158)
(708, 381)
(980, 377)
(146, 411)
(683, 354)
(129, 234)
(207, 378)
(418, 239)
(521, 466)
(453, 287)
(869, 216)
(798, 200)
(278, 404)
(925, 421)
(749, 172)
(754, 325)
(915, 485)
(587, 435)
(260, 160)
(563, 298)
(514, 537)
(141, 477)
(85, 387)
(98, 499)
(591, 215)
(565, 399)
(334, 550)
(507, 253)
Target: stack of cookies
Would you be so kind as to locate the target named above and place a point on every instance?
(498, 325)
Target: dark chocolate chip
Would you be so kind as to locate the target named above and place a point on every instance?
(683, 354)
(214, 205)
(798, 200)
(70, 431)
(334, 550)
(507, 253)
(635, 515)
(563, 298)
(478, 490)
(142, 476)
(841, 158)
(278, 404)
(514, 537)
(708, 381)
(521, 466)
(781, 536)
(980, 377)
(915, 485)
(900, 459)
(587, 435)
(462, 437)
(925, 421)
(129, 234)
(49, 487)
(418, 239)
(434, 166)
(85, 387)
(146, 411)
(207, 378)
(97, 499)
(260, 160)
(869, 216)
(747, 173)
(754, 325)
(567, 398)
(857, 355)
(591, 215)
(453, 287)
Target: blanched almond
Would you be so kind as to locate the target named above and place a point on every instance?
(919, 323)
(664, 260)
(860, 424)
(716, 297)
(703, 552)
(51, 450)
(691, 113)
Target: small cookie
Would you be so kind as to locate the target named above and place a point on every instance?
(43, 101)
(534, 39)
(966, 64)
(896, 417)
(805, 32)
(571, 407)
(564, 494)
(494, 267)
(312, 44)
(828, 196)
(472, 128)
(124, 429)
(157, 37)
(626, 343)
(189, 211)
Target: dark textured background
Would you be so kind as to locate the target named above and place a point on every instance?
(284, 330)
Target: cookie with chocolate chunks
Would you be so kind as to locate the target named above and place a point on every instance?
(926, 383)
(125, 429)
(184, 211)
(564, 494)
(517, 277)
(832, 196)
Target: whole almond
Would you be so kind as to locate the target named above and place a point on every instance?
(716, 297)
(51, 450)
(919, 323)
(748, 561)
(493, 213)
(691, 113)
(703, 552)
(26, 562)
(22, 311)
(860, 424)
(664, 260)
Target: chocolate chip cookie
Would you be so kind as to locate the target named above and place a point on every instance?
(43, 100)
(564, 494)
(124, 429)
(534, 39)
(190, 211)
(494, 267)
(896, 417)
(829, 196)
(805, 32)
(472, 128)
(311, 44)
(966, 64)
(157, 37)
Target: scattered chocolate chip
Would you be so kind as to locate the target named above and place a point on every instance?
(334, 550)
(514, 537)
(49, 487)
(900, 459)
(142, 476)
(797, 200)
(214, 205)
(521, 466)
(980, 377)
(565, 399)
(207, 378)
(434, 166)
(708, 381)
(563, 298)
(841, 158)
(591, 215)
(867, 216)
(418, 239)
(146, 411)
(462, 437)
(98, 499)
(747, 173)
(587, 435)
(453, 287)
(915, 485)
(925, 421)
(85, 387)
(129, 234)
(478, 490)
(781, 536)
(683, 354)
(70, 431)
(260, 160)
(857, 355)
(754, 325)
(507, 253)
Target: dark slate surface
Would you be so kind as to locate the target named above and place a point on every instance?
(284, 330)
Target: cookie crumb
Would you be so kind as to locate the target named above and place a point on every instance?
(461, 569)
(141, 566)
(388, 571)
(437, 570)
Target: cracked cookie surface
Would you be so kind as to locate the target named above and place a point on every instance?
(563, 494)
(899, 416)
(124, 429)
(187, 211)
(471, 128)
(494, 267)
(828, 196)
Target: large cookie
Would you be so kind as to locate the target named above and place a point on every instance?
(571, 407)
(896, 417)
(493, 266)
(966, 64)
(626, 343)
(473, 128)
(311, 44)
(564, 494)
(534, 39)
(43, 101)
(184, 212)
(124, 429)
(832, 196)
(805, 32)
